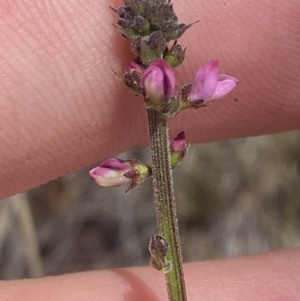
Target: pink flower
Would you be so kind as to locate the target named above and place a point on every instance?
(111, 172)
(209, 84)
(159, 83)
(115, 172)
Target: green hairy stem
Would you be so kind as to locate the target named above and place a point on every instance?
(165, 205)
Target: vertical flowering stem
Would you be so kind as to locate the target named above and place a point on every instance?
(165, 202)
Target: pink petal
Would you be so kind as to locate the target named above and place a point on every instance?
(135, 67)
(111, 172)
(179, 143)
(159, 80)
(115, 163)
(153, 82)
(225, 85)
(169, 78)
(205, 81)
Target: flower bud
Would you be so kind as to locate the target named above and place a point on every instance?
(158, 81)
(175, 55)
(173, 31)
(159, 13)
(138, 7)
(115, 172)
(132, 78)
(179, 148)
(138, 26)
(149, 49)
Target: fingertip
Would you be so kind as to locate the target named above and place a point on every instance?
(269, 276)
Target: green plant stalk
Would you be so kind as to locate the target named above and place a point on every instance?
(165, 202)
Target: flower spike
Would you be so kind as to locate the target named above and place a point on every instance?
(151, 25)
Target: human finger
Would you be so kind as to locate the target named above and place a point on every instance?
(62, 107)
(270, 276)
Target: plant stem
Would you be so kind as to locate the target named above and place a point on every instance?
(165, 202)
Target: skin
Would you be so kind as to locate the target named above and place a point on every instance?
(62, 108)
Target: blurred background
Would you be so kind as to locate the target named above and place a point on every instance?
(233, 197)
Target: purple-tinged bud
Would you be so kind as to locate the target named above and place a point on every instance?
(115, 172)
(135, 67)
(179, 148)
(132, 77)
(158, 81)
(137, 26)
(149, 49)
(158, 248)
(175, 55)
(208, 84)
(179, 143)
(173, 31)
